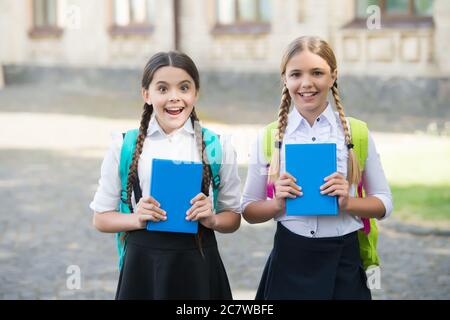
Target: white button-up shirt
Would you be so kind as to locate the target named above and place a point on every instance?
(179, 145)
(326, 129)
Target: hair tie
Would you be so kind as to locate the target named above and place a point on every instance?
(350, 146)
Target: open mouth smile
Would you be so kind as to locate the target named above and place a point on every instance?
(174, 111)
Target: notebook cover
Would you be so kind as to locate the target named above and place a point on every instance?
(173, 184)
(310, 164)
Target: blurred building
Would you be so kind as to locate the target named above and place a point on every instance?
(411, 41)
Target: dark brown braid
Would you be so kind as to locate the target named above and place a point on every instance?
(207, 174)
(133, 173)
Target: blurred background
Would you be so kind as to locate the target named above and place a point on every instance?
(70, 73)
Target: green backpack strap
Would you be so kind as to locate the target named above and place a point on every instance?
(269, 133)
(360, 138)
(368, 237)
(126, 155)
(214, 154)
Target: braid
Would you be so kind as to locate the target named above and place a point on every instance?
(201, 146)
(132, 173)
(353, 171)
(206, 178)
(274, 169)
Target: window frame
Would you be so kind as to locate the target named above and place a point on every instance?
(239, 26)
(46, 30)
(144, 29)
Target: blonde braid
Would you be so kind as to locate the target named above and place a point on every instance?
(353, 171)
(285, 104)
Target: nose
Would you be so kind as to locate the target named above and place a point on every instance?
(306, 82)
(174, 96)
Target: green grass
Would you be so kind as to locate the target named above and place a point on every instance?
(426, 203)
(418, 170)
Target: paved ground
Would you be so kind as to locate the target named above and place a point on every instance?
(49, 170)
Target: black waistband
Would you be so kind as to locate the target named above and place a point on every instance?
(172, 240)
(286, 236)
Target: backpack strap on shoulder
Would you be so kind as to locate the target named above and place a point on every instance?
(214, 153)
(269, 139)
(126, 155)
(360, 139)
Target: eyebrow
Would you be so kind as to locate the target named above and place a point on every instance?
(164, 82)
(313, 69)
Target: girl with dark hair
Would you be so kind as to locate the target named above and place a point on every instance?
(167, 265)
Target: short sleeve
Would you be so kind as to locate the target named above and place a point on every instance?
(375, 182)
(228, 197)
(255, 185)
(107, 196)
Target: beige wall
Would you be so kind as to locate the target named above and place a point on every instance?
(410, 52)
(88, 44)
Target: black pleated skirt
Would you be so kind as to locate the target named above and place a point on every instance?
(167, 265)
(313, 268)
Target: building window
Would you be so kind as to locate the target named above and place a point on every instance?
(242, 16)
(397, 8)
(132, 16)
(45, 22)
(396, 13)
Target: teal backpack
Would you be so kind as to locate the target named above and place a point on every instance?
(213, 152)
(368, 235)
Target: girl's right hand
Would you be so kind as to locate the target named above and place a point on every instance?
(286, 187)
(148, 209)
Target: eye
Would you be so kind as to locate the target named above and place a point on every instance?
(295, 75)
(184, 87)
(162, 89)
(317, 73)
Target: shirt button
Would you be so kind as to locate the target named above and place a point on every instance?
(318, 119)
(313, 138)
(312, 232)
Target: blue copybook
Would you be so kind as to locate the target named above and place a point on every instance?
(174, 184)
(310, 164)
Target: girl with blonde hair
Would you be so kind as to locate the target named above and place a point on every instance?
(314, 256)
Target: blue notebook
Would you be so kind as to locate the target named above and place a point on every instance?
(310, 164)
(174, 184)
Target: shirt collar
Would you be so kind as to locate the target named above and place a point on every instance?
(295, 119)
(154, 127)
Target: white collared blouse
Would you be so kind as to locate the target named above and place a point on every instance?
(179, 145)
(326, 129)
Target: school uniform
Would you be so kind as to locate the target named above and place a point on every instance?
(315, 257)
(167, 265)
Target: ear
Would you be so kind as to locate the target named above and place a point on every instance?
(197, 96)
(333, 77)
(283, 79)
(146, 96)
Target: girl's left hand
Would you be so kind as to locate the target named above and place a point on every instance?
(201, 211)
(337, 185)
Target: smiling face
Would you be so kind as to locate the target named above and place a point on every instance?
(173, 93)
(308, 78)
